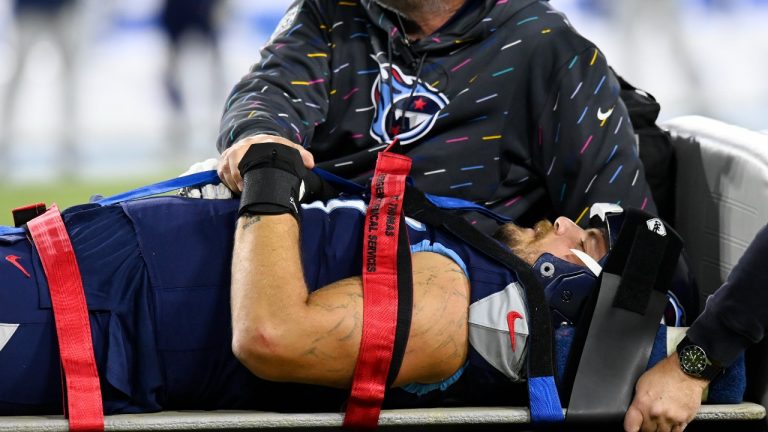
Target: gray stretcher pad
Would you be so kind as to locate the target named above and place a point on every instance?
(721, 193)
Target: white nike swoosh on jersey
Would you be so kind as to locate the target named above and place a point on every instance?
(6, 332)
(604, 115)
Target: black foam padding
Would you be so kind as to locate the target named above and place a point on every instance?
(615, 353)
(641, 271)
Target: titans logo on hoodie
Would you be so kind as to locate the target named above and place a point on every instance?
(406, 108)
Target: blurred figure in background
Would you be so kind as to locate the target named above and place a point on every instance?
(37, 21)
(191, 24)
(650, 30)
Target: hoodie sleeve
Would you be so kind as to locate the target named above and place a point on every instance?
(286, 92)
(587, 150)
(734, 317)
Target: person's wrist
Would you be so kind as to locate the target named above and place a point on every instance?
(272, 180)
(694, 361)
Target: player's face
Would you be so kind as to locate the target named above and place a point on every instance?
(557, 239)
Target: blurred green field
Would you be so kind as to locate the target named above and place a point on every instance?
(67, 192)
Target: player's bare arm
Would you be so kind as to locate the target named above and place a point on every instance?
(283, 333)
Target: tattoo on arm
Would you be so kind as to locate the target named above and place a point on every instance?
(250, 221)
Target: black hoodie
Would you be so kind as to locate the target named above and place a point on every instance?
(505, 105)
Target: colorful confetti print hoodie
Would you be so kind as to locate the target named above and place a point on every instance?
(505, 105)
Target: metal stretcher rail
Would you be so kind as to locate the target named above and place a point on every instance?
(390, 419)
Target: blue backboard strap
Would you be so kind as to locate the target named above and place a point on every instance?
(341, 183)
(192, 180)
(450, 203)
(9, 230)
(211, 177)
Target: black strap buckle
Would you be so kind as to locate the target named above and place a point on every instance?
(22, 215)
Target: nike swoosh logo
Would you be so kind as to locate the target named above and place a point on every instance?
(603, 116)
(13, 259)
(511, 317)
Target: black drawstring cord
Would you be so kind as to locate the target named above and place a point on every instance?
(395, 144)
(402, 30)
(413, 89)
(389, 64)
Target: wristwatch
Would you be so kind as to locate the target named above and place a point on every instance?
(695, 362)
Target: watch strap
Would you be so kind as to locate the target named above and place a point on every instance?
(711, 370)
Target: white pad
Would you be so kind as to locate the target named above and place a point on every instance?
(219, 191)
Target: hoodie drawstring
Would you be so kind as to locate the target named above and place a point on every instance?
(394, 143)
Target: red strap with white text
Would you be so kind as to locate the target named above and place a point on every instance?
(83, 391)
(380, 291)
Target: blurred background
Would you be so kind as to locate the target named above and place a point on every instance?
(97, 96)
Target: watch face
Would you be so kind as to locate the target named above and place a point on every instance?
(693, 360)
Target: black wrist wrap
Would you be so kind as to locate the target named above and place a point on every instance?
(272, 180)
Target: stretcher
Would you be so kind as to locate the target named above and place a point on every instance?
(721, 202)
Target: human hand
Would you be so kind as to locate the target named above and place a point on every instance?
(210, 191)
(230, 158)
(666, 399)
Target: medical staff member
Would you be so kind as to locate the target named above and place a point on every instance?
(499, 103)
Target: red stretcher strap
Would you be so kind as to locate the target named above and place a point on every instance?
(83, 391)
(380, 294)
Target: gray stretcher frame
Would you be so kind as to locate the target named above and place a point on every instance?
(723, 171)
(436, 418)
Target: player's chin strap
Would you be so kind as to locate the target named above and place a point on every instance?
(83, 392)
(627, 310)
(387, 293)
(544, 399)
